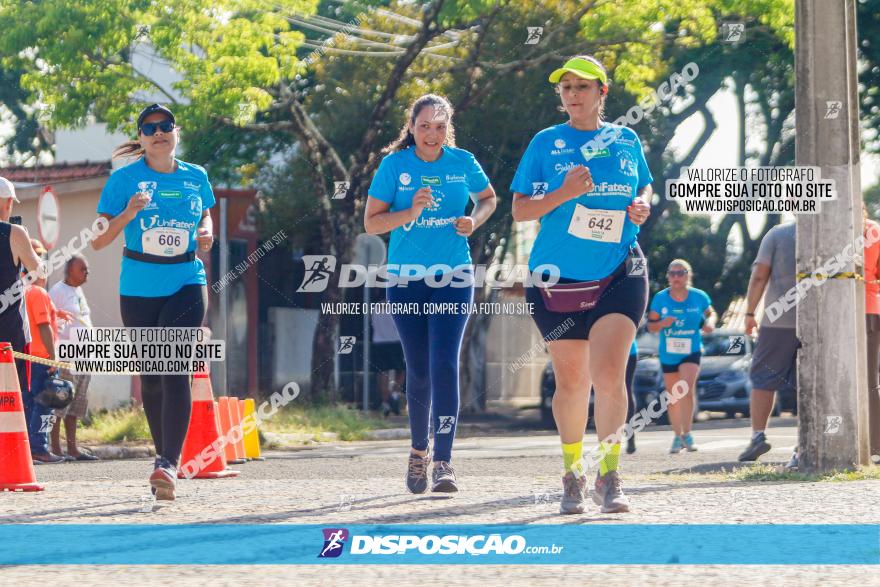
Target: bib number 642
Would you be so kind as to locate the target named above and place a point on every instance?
(600, 223)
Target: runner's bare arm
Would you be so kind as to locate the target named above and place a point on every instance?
(577, 181)
(116, 223)
(757, 285)
(485, 206)
(711, 318)
(205, 231)
(655, 324)
(22, 250)
(378, 220)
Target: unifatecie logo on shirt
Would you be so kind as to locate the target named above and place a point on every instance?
(450, 178)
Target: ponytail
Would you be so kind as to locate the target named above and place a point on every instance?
(128, 149)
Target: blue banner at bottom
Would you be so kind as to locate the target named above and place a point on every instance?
(285, 544)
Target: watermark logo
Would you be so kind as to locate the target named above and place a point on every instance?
(833, 109)
(736, 344)
(539, 189)
(340, 189)
(346, 345)
(47, 423)
(142, 31)
(345, 503)
(733, 32)
(245, 113)
(447, 423)
(319, 268)
(636, 266)
(832, 424)
(334, 540)
(534, 35)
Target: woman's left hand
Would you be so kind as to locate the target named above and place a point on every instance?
(205, 239)
(465, 226)
(639, 211)
(708, 329)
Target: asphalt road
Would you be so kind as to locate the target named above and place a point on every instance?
(504, 479)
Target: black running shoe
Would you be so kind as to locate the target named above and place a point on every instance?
(756, 448)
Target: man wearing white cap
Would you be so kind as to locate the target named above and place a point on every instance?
(15, 251)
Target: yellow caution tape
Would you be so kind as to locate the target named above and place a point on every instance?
(42, 361)
(845, 275)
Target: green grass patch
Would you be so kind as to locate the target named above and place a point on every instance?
(130, 424)
(348, 423)
(771, 473)
(123, 425)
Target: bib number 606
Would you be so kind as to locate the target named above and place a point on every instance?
(170, 240)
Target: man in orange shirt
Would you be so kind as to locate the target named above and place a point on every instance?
(43, 319)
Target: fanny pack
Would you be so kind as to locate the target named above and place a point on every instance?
(580, 296)
(148, 258)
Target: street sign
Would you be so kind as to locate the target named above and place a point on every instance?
(48, 222)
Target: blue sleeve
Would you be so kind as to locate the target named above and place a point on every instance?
(645, 176)
(383, 187)
(656, 302)
(528, 172)
(476, 177)
(208, 199)
(112, 200)
(633, 349)
(707, 302)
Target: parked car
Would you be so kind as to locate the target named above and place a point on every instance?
(722, 386)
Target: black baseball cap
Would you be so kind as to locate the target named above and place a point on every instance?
(152, 109)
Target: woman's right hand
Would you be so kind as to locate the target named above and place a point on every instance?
(421, 200)
(137, 203)
(577, 181)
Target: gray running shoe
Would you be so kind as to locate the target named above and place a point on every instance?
(609, 495)
(756, 448)
(574, 496)
(443, 477)
(417, 473)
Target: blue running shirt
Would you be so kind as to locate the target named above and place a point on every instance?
(568, 234)
(165, 227)
(684, 336)
(431, 239)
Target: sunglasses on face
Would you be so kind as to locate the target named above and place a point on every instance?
(676, 273)
(149, 128)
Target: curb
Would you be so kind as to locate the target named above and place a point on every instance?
(111, 452)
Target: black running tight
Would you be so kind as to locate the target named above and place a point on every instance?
(167, 402)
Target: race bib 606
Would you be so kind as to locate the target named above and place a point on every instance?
(165, 242)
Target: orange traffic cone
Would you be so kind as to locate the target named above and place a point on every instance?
(203, 432)
(252, 438)
(16, 467)
(226, 424)
(235, 418)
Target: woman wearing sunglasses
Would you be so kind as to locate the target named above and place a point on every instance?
(681, 314)
(588, 183)
(161, 204)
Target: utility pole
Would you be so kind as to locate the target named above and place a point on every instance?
(832, 376)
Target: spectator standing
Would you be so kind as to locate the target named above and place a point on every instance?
(68, 295)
